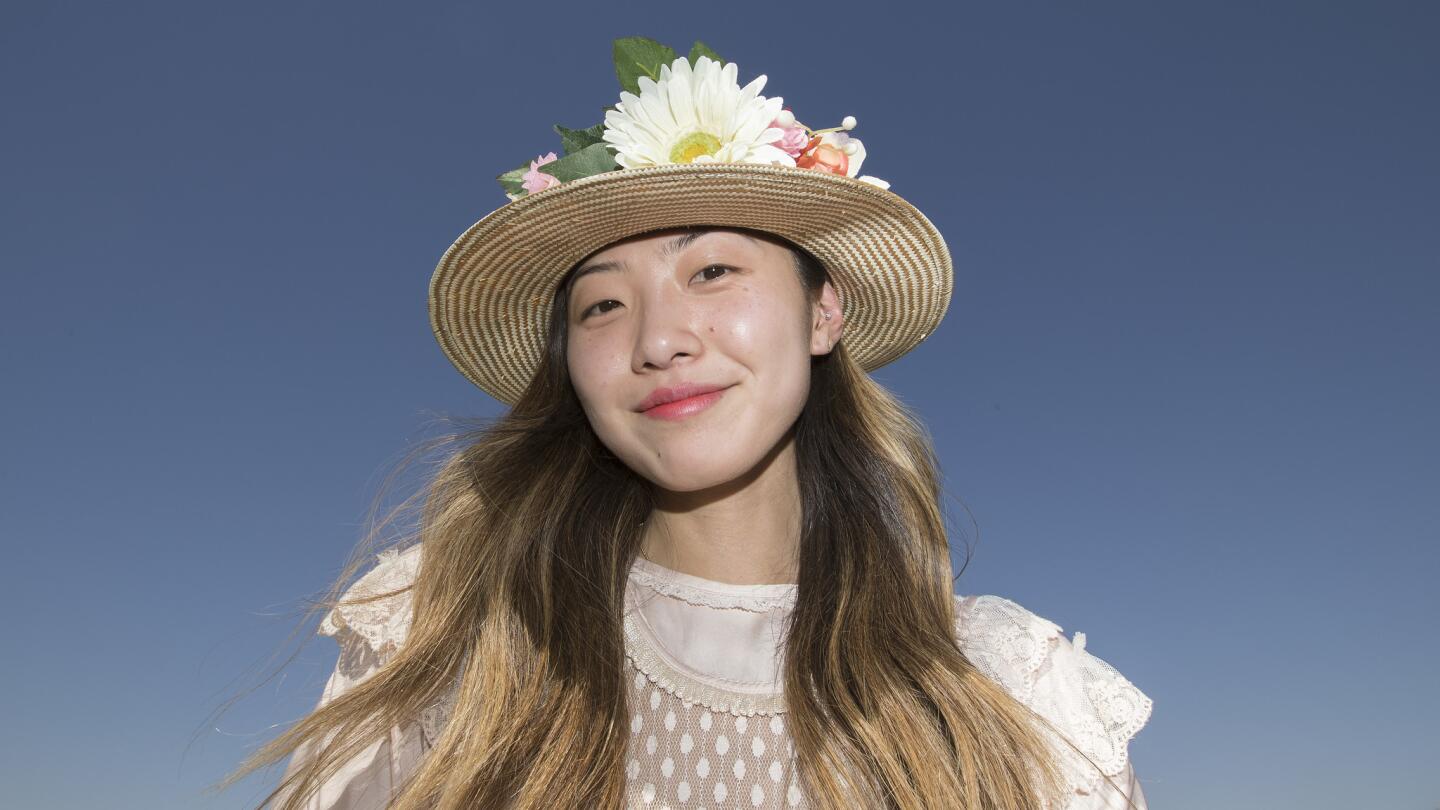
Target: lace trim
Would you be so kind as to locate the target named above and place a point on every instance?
(709, 593)
(436, 716)
(1104, 732)
(1096, 708)
(655, 666)
(383, 623)
(1006, 642)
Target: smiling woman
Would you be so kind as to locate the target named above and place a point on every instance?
(697, 365)
(702, 560)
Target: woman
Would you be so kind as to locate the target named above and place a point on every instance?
(702, 561)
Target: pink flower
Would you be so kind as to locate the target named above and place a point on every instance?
(793, 141)
(826, 157)
(536, 180)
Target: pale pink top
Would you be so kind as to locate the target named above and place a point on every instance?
(707, 728)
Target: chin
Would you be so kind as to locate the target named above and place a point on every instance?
(691, 482)
(679, 470)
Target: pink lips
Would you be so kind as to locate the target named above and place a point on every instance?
(680, 402)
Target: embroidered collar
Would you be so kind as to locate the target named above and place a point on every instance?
(650, 656)
(709, 593)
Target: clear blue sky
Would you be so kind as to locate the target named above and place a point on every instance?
(1187, 385)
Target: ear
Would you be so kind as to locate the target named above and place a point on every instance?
(825, 331)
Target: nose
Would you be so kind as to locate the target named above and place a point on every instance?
(665, 330)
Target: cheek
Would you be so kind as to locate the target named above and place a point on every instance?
(757, 331)
(593, 367)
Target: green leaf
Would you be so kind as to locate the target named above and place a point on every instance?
(573, 140)
(700, 49)
(512, 180)
(639, 56)
(593, 159)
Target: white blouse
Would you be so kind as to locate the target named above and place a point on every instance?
(708, 722)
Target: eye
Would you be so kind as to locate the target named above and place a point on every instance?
(595, 306)
(708, 268)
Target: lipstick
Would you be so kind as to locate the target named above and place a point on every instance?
(680, 402)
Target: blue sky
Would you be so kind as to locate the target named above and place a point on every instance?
(1186, 387)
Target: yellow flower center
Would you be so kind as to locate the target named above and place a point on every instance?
(694, 145)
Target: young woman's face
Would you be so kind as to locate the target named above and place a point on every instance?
(714, 308)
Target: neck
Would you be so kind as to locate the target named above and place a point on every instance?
(743, 532)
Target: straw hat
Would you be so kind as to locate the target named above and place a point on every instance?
(746, 163)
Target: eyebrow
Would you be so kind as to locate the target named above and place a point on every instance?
(670, 248)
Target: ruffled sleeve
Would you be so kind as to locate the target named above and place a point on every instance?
(383, 624)
(1096, 707)
(368, 635)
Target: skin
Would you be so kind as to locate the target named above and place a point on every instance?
(728, 506)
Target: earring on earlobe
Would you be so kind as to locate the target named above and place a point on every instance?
(828, 314)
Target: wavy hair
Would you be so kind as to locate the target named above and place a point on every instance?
(530, 526)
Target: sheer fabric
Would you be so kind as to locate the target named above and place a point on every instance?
(707, 726)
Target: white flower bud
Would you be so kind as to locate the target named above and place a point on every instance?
(785, 119)
(850, 148)
(848, 122)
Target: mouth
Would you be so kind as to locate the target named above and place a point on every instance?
(662, 395)
(681, 402)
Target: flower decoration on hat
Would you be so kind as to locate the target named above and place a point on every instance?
(688, 109)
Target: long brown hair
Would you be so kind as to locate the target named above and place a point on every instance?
(529, 529)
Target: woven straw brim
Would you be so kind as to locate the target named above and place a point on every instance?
(491, 292)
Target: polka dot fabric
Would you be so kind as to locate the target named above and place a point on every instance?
(689, 756)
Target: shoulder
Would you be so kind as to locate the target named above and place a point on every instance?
(381, 624)
(369, 633)
(1097, 709)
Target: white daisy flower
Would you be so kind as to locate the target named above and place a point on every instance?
(698, 115)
